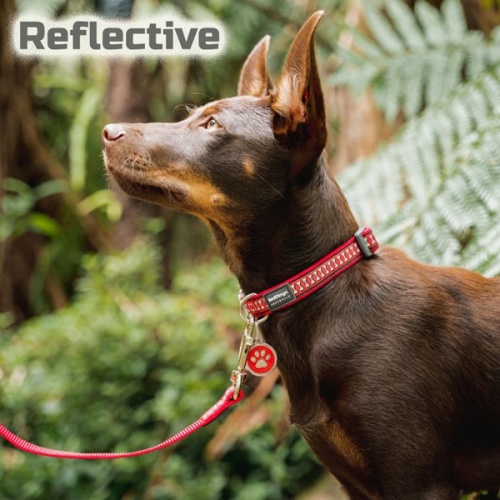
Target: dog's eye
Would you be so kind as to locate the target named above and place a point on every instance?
(212, 124)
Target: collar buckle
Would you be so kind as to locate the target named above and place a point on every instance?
(362, 243)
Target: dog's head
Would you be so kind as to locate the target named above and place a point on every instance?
(233, 156)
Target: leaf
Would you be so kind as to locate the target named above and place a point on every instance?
(381, 30)
(452, 74)
(49, 188)
(414, 76)
(431, 22)
(78, 136)
(438, 180)
(405, 23)
(16, 206)
(103, 198)
(454, 19)
(368, 47)
(424, 55)
(16, 186)
(392, 92)
(43, 224)
(48, 8)
(435, 73)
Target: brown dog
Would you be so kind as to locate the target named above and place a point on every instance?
(393, 368)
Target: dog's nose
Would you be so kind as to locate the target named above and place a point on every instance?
(112, 132)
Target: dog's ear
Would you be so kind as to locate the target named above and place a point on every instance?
(297, 103)
(254, 77)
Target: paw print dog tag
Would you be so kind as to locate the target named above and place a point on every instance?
(261, 360)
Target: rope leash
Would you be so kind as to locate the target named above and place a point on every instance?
(226, 401)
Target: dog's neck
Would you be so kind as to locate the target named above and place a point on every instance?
(306, 224)
(310, 221)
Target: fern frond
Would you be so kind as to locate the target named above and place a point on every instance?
(407, 25)
(453, 16)
(431, 23)
(382, 31)
(435, 190)
(415, 59)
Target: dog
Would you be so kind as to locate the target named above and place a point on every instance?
(393, 367)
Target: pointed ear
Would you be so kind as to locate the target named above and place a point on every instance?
(254, 77)
(299, 111)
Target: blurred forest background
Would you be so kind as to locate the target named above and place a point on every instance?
(106, 340)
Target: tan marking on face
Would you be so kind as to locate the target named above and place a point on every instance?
(211, 110)
(346, 447)
(249, 167)
(202, 197)
(191, 193)
(206, 196)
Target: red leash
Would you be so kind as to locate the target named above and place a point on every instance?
(218, 409)
(254, 309)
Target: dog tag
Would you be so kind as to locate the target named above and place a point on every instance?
(261, 360)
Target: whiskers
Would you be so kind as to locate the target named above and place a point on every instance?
(188, 108)
(138, 163)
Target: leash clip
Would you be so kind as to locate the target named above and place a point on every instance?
(249, 338)
(238, 379)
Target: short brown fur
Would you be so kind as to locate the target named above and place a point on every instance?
(393, 368)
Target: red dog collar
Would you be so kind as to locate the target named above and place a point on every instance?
(362, 245)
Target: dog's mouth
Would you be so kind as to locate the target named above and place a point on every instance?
(172, 185)
(135, 173)
(138, 183)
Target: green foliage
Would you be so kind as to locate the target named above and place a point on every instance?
(434, 189)
(87, 108)
(69, 101)
(48, 8)
(122, 368)
(17, 207)
(102, 199)
(417, 59)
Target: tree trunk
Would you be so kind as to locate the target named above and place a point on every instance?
(18, 257)
(24, 156)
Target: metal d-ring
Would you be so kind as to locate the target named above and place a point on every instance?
(245, 314)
